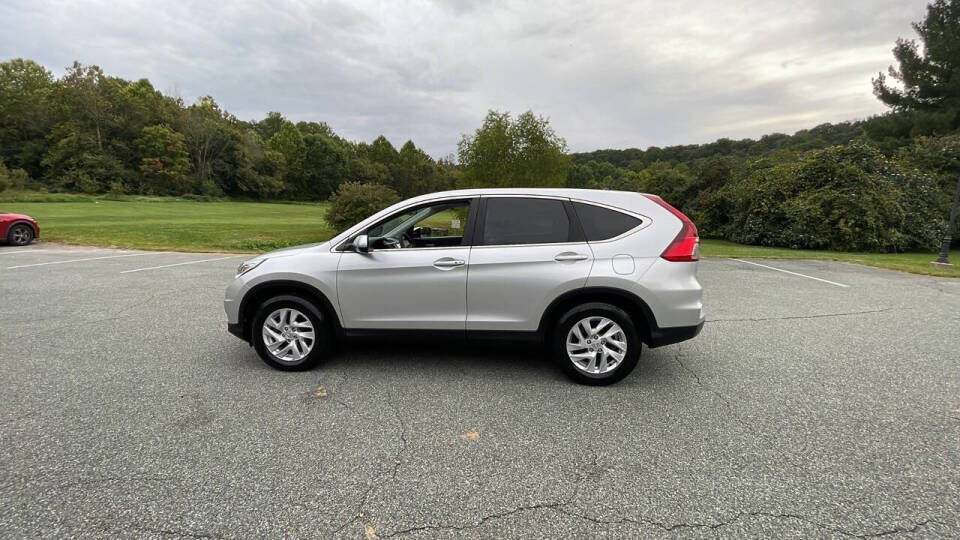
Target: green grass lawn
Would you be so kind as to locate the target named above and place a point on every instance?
(173, 224)
(178, 225)
(916, 262)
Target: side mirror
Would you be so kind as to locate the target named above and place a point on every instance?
(361, 243)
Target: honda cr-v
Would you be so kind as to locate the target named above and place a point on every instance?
(591, 274)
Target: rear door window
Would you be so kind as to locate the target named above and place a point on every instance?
(517, 220)
(601, 223)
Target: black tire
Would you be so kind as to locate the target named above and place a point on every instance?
(323, 337)
(596, 309)
(20, 235)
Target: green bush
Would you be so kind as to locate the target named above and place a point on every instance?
(355, 201)
(12, 178)
(843, 198)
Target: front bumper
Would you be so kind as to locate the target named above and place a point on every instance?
(237, 330)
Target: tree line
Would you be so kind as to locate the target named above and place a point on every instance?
(89, 132)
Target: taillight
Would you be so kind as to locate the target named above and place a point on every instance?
(686, 246)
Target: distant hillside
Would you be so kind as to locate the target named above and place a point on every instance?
(888, 132)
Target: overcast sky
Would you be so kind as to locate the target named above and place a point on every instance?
(607, 74)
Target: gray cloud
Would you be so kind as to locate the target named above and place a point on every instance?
(607, 74)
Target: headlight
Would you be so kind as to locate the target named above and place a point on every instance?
(248, 266)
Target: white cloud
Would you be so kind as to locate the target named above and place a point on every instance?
(608, 74)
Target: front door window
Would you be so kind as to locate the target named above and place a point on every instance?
(439, 224)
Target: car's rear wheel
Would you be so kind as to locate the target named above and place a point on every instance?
(596, 343)
(290, 333)
(20, 235)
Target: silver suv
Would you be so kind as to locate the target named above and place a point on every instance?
(592, 274)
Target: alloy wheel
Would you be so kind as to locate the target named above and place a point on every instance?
(288, 335)
(21, 236)
(596, 345)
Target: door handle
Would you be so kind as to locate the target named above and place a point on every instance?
(448, 262)
(570, 256)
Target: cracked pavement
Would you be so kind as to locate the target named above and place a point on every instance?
(802, 410)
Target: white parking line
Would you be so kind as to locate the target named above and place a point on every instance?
(86, 259)
(179, 264)
(60, 251)
(791, 273)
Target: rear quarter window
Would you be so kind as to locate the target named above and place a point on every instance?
(603, 223)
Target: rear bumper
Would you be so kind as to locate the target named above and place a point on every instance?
(673, 334)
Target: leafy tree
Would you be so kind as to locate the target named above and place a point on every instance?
(325, 164)
(939, 157)
(381, 151)
(604, 175)
(288, 142)
(269, 126)
(930, 77)
(316, 128)
(579, 176)
(260, 171)
(363, 170)
(138, 105)
(417, 173)
(384, 161)
(506, 152)
(26, 112)
(66, 144)
(164, 161)
(85, 88)
(668, 181)
(208, 135)
(74, 163)
(703, 197)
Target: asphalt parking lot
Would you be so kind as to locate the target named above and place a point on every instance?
(805, 408)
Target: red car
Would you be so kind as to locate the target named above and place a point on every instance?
(18, 229)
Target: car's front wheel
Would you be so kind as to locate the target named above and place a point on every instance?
(290, 333)
(20, 235)
(596, 343)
